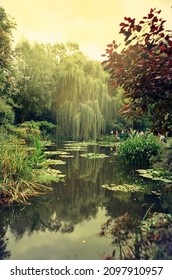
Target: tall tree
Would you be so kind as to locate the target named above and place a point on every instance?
(83, 106)
(7, 82)
(144, 68)
(35, 68)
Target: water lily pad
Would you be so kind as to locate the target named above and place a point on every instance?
(71, 148)
(49, 175)
(80, 144)
(106, 144)
(58, 152)
(55, 172)
(93, 155)
(66, 156)
(123, 188)
(153, 175)
(53, 161)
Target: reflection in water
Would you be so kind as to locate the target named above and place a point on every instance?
(65, 223)
(4, 253)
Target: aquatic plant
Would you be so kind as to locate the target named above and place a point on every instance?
(93, 155)
(123, 187)
(50, 161)
(159, 174)
(58, 152)
(139, 149)
(21, 172)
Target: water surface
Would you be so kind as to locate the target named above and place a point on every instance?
(64, 224)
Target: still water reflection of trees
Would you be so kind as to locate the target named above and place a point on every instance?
(79, 198)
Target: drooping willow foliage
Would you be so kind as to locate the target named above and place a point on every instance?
(60, 83)
(83, 106)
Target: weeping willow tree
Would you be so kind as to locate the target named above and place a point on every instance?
(82, 105)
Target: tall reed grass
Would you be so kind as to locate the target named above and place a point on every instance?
(20, 171)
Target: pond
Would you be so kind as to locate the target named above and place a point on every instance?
(64, 224)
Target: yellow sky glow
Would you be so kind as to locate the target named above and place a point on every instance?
(91, 23)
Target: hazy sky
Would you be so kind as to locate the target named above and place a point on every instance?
(91, 23)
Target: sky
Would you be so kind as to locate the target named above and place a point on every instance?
(91, 23)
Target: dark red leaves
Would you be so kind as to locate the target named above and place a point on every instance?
(170, 43)
(123, 24)
(155, 19)
(127, 34)
(167, 37)
(109, 45)
(153, 28)
(150, 16)
(144, 67)
(128, 42)
(128, 19)
(163, 48)
(138, 28)
(149, 46)
(147, 37)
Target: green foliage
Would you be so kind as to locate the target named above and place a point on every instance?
(6, 26)
(7, 81)
(93, 155)
(35, 69)
(6, 113)
(161, 174)
(21, 172)
(47, 128)
(139, 149)
(57, 82)
(30, 130)
(83, 107)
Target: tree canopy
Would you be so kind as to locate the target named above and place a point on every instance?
(144, 68)
(34, 74)
(7, 82)
(82, 105)
(59, 83)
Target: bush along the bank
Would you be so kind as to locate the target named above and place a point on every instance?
(139, 149)
(30, 130)
(21, 172)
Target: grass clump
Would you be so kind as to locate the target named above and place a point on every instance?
(20, 172)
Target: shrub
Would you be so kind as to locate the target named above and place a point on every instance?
(139, 149)
(6, 113)
(47, 127)
(40, 129)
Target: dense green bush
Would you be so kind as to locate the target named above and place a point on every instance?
(47, 128)
(6, 113)
(30, 130)
(41, 129)
(139, 149)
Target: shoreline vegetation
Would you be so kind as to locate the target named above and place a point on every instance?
(24, 165)
(24, 171)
